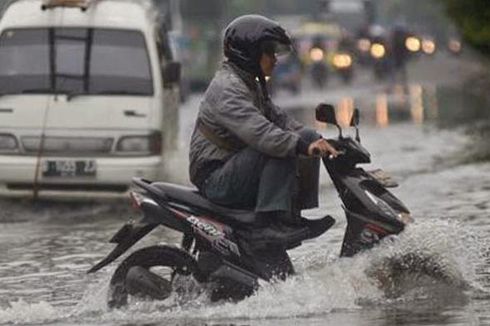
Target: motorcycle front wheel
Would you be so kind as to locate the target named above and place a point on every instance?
(133, 275)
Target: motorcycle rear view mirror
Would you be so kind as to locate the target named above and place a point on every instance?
(354, 122)
(326, 113)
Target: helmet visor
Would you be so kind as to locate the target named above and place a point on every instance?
(276, 48)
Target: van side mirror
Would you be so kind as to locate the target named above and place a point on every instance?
(171, 74)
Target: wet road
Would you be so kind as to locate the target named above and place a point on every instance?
(46, 248)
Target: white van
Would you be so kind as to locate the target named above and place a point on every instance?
(88, 90)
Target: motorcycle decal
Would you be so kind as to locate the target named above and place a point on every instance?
(372, 234)
(225, 247)
(208, 229)
(377, 229)
(368, 236)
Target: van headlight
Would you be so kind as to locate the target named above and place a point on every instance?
(140, 144)
(8, 143)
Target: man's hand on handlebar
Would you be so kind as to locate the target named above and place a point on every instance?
(321, 147)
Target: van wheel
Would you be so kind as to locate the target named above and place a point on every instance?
(133, 275)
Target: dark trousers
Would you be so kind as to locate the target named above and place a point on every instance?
(255, 181)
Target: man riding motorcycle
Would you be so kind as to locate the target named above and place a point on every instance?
(245, 151)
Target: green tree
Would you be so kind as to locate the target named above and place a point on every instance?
(473, 20)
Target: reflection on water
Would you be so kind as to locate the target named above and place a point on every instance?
(345, 107)
(382, 118)
(415, 103)
(431, 102)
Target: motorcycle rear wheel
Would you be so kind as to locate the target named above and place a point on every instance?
(177, 260)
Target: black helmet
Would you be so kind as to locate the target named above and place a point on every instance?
(248, 36)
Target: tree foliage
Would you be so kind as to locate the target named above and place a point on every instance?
(473, 19)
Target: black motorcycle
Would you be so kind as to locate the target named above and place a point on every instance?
(218, 250)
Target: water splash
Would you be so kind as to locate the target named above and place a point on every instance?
(324, 284)
(21, 312)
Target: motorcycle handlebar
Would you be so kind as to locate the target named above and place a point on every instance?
(316, 152)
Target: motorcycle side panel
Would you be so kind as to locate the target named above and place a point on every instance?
(352, 189)
(154, 213)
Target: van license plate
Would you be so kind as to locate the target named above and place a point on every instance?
(69, 168)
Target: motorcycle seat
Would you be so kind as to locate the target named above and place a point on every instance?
(192, 197)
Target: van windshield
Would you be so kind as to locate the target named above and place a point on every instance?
(74, 61)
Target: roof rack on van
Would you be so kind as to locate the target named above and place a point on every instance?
(82, 4)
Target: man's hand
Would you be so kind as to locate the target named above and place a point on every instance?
(321, 147)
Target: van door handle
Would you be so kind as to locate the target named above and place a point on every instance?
(6, 110)
(132, 113)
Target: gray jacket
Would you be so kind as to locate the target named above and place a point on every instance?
(235, 111)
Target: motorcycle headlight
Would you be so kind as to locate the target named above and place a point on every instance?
(412, 44)
(454, 45)
(378, 50)
(342, 60)
(316, 54)
(8, 143)
(428, 46)
(140, 145)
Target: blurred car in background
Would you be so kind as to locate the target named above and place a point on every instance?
(315, 42)
(326, 49)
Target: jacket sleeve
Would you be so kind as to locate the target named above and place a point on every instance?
(238, 114)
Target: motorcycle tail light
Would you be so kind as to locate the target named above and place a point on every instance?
(136, 199)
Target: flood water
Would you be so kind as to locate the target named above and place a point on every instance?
(444, 176)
